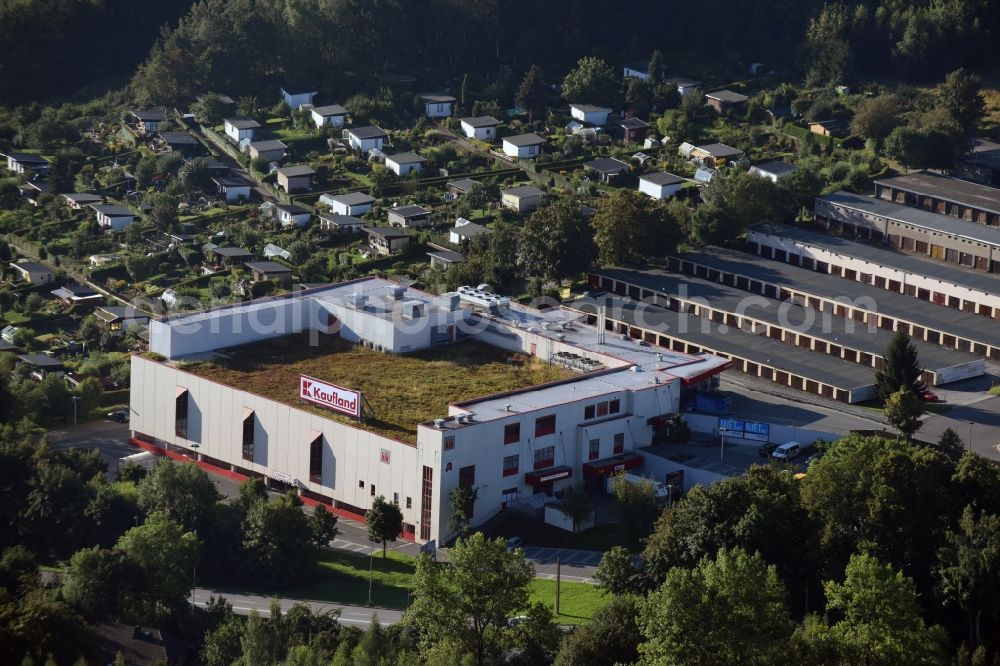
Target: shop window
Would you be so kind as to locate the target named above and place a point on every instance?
(316, 459)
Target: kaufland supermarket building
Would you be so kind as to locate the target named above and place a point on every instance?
(511, 446)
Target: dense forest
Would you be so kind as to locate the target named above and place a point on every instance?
(55, 47)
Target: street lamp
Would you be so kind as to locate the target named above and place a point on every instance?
(722, 442)
(75, 399)
(970, 435)
(371, 560)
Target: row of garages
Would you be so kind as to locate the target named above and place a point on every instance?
(961, 289)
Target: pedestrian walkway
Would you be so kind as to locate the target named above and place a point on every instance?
(581, 558)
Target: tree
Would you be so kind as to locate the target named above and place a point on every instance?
(923, 147)
(162, 212)
(223, 645)
(470, 600)
(882, 621)
(323, 524)
(531, 94)
(533, 639)
(969, 574)
(630, 228)
(616, 574)
(165, 556)
(276, 536)
(181, 491)
(209, 109)
(557, 241)
(97, 581)
(299, 251)
(959, 96)
(656, 66)
(141, 267)
(637, 508)
(613, 635)
(462, 501)
(950, 444)
(875, 117)
(577, 504)
(726, 610)
(384, 521)
(219, 289)
(901, 367)
(592, 81)
(903, 410)
(828, 46)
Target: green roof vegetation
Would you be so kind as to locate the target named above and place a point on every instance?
(403, 390)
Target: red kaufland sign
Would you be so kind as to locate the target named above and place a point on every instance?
(330, 396)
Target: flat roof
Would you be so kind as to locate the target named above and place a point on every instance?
(112, 211)
(267, 267)
(449, 256)
(463, 184)
(787, 315)
(409, 157)
(231, 252)
(947, 188)
(606, 165)
(884, 255)
(437, 99)
(481, 121)
(661, 178)
(522, 191)
(403, 390)
(296, 170)
(727, 96)
(777, 167)
(719, 150)
(367, 132)
(268, 144)
(341, 220)
(944, 224)
(242, 123)
(31, 266)
(82, 197)
(520, 140)
(920, 313)
(756, 348)
(409, 211)
(633, 123)
(590, 108)
(351, 198)
(330, 110)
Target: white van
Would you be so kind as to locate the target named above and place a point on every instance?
(787, 451)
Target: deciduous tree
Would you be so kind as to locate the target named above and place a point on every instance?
(592, 81)
(469, 601)
(557, 241)
(630, 228)
(959, 96)
(903, 410)
(384, 521)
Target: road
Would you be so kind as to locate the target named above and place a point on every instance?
(244, 603)
(111, 439)
(981, 419)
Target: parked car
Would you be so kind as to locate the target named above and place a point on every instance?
(514, 542)
(928, 396)
(119, 415)
(765, 450)
(787, 451)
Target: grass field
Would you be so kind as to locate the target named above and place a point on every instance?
(343, 578)
(436, 377)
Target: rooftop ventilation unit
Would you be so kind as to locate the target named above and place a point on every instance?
(398, 293)
(451, 300)
(508, 407)
(439, 423)
(412, 309)
(358, 301)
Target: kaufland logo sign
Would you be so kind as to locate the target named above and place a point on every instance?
(330, 396)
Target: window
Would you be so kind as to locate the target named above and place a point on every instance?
(509, 497)
(372, 491)
(595, 449)
(545, 457)
(602, 409)
(615, 406)
(510, 465)
(467, 476)
(409, 502)
(588, 412)
(181, 413)
(512, 433)
(361, 485)
(427, 491)
(316, 460)
(395, 499)
(248, 428)
(619, 443)
(449, 442)
(545, 425)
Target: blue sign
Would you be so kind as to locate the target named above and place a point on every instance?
(756, 431)
(733, 427)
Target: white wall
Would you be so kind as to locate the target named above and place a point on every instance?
(779, 433)
(658, 191)
(656, 467)
(283, 433)
(862, 266)
(484, 133)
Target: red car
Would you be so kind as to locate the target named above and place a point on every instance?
(928, 396)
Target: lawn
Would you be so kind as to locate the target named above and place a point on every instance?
(436, 377)
(343, 578)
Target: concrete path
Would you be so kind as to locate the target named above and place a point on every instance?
(244, 603)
